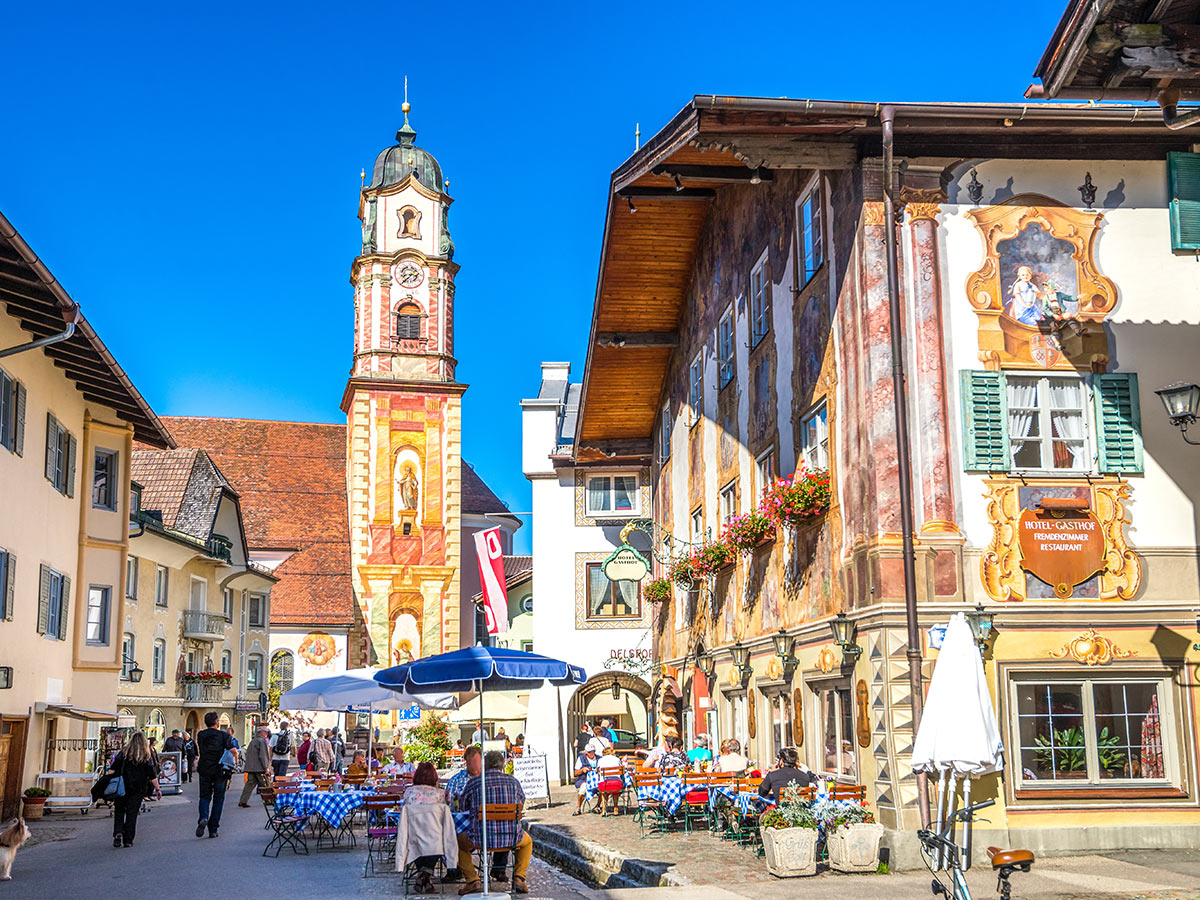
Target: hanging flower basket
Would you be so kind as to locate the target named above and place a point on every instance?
(709, 559)
(658, 590)
(746, 532)
(680, 572)
(798, 501)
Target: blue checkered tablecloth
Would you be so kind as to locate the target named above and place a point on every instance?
(331, 806)
(746, 801)
(669, 793)
(592, 784)
(462, 819)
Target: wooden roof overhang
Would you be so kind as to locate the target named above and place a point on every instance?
(42, 306)
(1122, 50)
(659, 200)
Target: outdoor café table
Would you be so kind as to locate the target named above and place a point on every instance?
(669, 793)
(593, 783)
(462, 819)
(747, 802)
(333, 809)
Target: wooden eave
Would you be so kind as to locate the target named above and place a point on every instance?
(43, 308)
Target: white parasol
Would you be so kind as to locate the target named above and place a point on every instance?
(958, 736)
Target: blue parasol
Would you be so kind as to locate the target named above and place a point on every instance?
(480, 669)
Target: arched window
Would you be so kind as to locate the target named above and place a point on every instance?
(408, 323)
(283, 670)
(156, 724)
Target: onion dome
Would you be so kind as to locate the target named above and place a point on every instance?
(397, 162)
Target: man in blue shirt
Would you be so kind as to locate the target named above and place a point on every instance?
(501, 788)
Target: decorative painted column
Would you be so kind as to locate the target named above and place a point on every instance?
(936, 475)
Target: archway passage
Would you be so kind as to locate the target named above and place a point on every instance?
(594, 700)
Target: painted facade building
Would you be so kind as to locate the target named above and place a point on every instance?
(68, 419)
(578, 514)
(1039, 286)
(197, 609)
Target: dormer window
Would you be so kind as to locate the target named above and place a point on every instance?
(408, 323)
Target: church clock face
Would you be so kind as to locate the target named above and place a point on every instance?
(409, 275)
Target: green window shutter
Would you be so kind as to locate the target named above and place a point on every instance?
(1183, 178)
(10, 592)
(1118, 423)
(51, 446)
(69, 487)
(19, 442)
(43, 621)
(985, 421)
(62, 610)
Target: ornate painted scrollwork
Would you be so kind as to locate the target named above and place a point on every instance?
(1091, 649)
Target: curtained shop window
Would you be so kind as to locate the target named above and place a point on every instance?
(835, 706)
(611, 599)
(1093, 731)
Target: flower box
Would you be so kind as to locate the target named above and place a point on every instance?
(854, 847)
(790, 852)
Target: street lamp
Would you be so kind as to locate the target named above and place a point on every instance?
(616, 689)
(741, 660)
(843, 630)
(1182, 403)
(706, 664)
(133, 671)
(982, 625)
(784, 643)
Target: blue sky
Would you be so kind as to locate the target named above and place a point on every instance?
(191, 177)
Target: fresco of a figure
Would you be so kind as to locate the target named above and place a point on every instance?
(1038, 273)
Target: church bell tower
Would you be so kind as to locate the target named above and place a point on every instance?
(403, 408)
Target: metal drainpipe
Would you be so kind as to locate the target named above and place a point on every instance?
(1172, 117)
(903, 460)
(43, 342)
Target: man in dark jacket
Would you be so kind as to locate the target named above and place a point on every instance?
(175, 743)
(212, 743)
(258, 763)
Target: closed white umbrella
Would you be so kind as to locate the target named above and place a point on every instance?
(959, 736)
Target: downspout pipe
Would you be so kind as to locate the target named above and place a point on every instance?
(63, 335)
(1172, 117)
(887, 117)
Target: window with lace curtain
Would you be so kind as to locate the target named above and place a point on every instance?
(1048, 423)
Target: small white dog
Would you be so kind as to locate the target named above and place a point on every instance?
(12, 835)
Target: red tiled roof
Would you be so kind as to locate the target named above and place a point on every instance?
(517, 568)
(291, 477)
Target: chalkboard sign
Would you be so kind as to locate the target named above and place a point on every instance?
(530, 770)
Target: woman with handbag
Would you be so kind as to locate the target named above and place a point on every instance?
(134, 777)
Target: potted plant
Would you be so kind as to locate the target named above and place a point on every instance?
(798, 501)
(711, 558)
(852, 836)
(789, 834)
(680, 572)
(746, 532)
(658, 590)
(35, 802)
(1063, 753)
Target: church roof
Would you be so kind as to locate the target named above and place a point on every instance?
(291, 477)
(403, 158)
(477, 498)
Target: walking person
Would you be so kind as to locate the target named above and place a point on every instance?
(190, 752)
(320, 752)
(258, 763)
(283, 745)
(212, 743)
(339, 750)
(134, 765)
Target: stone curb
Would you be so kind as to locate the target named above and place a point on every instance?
(597, 864)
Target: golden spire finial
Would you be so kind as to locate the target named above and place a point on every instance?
(404, 108)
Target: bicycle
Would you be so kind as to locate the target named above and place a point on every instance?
(940, 851)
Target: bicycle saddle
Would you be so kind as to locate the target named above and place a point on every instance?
(1021, 859)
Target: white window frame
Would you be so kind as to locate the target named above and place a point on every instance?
(726, 355)
(203, 583)
(588, 569)
(527, 604)
(259, 620)
(526, 646)
(808, 265)
(758, 301)
(1046, 439)
(99, 615)
(728, 501)
(1166, 707)
(131, 577)
(764, 471)
(696, 390)
(696, 525)
(779, 701)
(162, 586)
(254, 672)
(111, 457)
(227, 662)
(158, 665)
(816, 455)
(227, 603)
(612, 513)
(837, 689)
(664, 434)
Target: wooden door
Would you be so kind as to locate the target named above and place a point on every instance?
(12, 761)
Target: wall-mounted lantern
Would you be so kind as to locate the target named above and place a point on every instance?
(844, 629)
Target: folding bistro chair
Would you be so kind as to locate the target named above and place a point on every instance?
(288, 828)
(381, 831)
(498, 812)
(612, 784)
(425, 829)
(855, 792)
(651, 815)
(746, 830)
(695, 799)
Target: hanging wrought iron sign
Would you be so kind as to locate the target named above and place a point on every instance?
(626, 564)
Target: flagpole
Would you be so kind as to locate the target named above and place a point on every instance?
(483, 795)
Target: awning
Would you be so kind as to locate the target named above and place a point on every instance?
(74, 712)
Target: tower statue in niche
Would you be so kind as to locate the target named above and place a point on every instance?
(408, 489)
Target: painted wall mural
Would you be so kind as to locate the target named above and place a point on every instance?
(318, 649)
(1039, 295)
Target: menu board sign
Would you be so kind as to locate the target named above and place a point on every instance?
(1061, 548)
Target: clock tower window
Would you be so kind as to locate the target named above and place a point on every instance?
(408, 323)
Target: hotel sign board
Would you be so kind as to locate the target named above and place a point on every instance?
(1061, 548)
(626, 564)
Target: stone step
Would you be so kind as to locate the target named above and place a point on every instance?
(595, 864)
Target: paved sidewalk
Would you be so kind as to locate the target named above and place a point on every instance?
(703, 866)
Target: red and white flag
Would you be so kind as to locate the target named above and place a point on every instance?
(491, 576)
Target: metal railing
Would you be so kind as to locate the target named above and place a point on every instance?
(202, 692)
(200, 622)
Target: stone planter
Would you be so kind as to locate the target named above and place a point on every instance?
(855, 848)
(33, 807)
(790, 852)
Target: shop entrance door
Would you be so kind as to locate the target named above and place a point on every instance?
(12, 761)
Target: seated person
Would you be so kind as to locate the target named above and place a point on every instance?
(584, 763)
(472, 765)
(700, 752)
(600, 741)
(399, 767)
(786, 772)
(674, 759)
(501, 788)
(731, 759)
(650, 759)
(609, 761)
(358, 764)
(424, 789)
